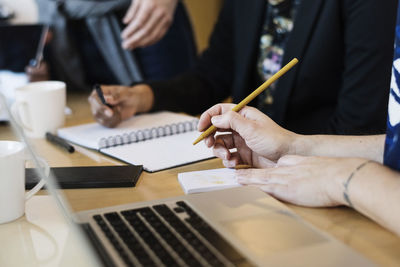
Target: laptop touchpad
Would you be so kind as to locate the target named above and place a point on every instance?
(266, 234)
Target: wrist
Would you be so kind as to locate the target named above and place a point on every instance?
(299, 145)
(340, 190)
(146, 97)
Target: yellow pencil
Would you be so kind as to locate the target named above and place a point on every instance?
(250, 97)
(243, 166)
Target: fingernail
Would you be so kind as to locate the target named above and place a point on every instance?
(108, 113)
(226, 157)
(208, 142)
(241, 180)
(215, 119)
(266, 189)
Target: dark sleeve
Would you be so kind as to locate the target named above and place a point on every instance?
(210, 80)
(369, 40)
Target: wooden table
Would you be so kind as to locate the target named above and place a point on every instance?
(348, 226)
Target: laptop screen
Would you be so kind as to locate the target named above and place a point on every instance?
(67, 241)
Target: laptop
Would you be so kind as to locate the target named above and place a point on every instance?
(233, 227)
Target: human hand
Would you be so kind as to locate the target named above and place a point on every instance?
(259, 141)
(305, 181)
(38, 73)
(125, 101)
(147, 22)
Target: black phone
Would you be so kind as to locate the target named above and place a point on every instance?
(89, 177)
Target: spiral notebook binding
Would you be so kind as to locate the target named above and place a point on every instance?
(147, 134)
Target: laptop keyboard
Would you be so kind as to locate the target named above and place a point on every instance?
(169, 235)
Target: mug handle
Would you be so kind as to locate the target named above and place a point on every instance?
(17, 117)
(41, 183)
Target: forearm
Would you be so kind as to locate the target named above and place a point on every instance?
(373, 190)
(369, 147)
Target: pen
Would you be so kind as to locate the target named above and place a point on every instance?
(39, 53)
(101, 95)
(251, 96)
(60, 142)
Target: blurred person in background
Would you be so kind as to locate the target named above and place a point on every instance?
(117, 42)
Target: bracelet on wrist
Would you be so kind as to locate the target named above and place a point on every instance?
(346, 184)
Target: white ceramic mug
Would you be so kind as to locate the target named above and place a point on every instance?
(39, 107)
(12, 180)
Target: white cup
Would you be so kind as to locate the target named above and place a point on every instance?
(12, 180)
(39, 107)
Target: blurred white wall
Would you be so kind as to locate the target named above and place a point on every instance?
(25, 10)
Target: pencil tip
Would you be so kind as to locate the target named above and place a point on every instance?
(198, 140)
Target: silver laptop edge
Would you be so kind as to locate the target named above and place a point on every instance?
(77, 235)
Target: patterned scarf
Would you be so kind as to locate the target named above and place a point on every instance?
(277, 26)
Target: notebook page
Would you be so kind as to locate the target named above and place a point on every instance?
(88, 135)
(163, 152)
(208, 180)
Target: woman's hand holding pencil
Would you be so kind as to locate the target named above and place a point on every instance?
(257, 140)
(212, 129)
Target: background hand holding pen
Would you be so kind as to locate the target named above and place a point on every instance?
(38, 70)
(113, 103)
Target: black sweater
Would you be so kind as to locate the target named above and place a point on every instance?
(340, 85)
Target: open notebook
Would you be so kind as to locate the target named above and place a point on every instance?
(157, 141)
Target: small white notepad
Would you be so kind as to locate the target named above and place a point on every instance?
(208, 180)
(157, 141)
